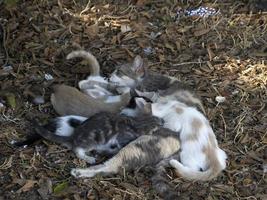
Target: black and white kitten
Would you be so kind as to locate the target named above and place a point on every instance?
(61, 126)
(104, 133)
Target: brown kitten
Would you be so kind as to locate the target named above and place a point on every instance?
(153, 85)
(68, 100)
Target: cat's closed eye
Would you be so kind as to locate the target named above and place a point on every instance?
(113, 146)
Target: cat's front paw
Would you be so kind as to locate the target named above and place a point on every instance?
(76, 173)
(90, 160)
(174, 163)
(86, 173)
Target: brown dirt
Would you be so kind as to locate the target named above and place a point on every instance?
(224, 55)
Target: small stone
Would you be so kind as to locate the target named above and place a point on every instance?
(39, 100)
(265, 168)
(148, 50)
(235, 92)
(8, 68)
(48, 77)
(220, 99)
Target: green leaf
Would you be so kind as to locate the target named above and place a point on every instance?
(60, 187)
(11, 100)
(11, 2)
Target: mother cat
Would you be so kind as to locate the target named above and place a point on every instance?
(201, 158)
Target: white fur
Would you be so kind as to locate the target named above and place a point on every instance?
(91, 88)
(81, 153)
(87, 83)
(129, 112)
(192, 156)
(64, 128)
(113, 99)
(122, 81)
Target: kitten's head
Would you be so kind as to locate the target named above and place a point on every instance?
(129, 74)
(141, 107)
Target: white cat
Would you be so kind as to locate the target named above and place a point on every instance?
(200, 156)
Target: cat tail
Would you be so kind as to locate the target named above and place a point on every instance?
(194, 175)
(42, 131)
(91, 59)
(30, 139)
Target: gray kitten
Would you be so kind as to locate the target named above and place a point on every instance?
(104, 133)
(155, 150)
(153, 85)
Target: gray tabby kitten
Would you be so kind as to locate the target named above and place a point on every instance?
(154, 150)
(104, 133)
(153, 85)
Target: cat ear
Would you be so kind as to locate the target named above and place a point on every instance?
(140, 103)
(149, 95)
(143, 105)
(148, 108)
(138, 66)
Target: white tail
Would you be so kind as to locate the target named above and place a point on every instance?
(194, 175)
(95, 67)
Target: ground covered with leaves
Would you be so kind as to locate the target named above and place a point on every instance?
(223, 55)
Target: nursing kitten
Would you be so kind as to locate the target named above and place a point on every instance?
(65, 125)
(154, 150)
(104, 133)
(67, 100)
(200, 156)
(153, 85)
(62, 126)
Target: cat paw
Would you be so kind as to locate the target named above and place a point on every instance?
(76, 173)
(174, 163)
(79, 173)
(90, 160)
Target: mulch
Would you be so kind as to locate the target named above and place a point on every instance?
(223, 55)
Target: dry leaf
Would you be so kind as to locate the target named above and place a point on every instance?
(27, 186)
(210, 53)
(92, 30)
(200, 32)
(141, 2)
(125, 28)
